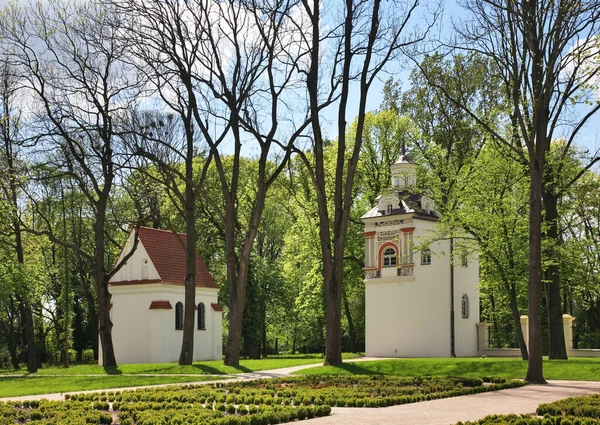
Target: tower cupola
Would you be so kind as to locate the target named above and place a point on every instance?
(404, 173)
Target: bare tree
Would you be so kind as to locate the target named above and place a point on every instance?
(221, 66)
(364, 36)
(71, 66)
(545, 52)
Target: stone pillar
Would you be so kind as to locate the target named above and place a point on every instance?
(525, 329)
(483, 336)
(568, 330)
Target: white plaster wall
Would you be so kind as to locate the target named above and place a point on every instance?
(217, 335)
(132, 270)
(411, 316)
(141, 335)
(466, 281)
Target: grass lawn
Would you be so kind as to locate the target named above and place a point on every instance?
(12, 386)
(577, 369)
(215, 367)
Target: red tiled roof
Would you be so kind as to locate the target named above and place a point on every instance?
(165, 305)
(216, 307)
(168, 256)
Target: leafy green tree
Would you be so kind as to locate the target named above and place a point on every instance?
(545, 55)
(367, 36)
(11, 180)
(67, 57)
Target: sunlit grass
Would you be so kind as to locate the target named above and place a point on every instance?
(214, 367)
(14, 386)
(578, 369)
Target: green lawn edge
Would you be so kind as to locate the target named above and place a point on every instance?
(40, 385)
(578, 369)
(214, 367)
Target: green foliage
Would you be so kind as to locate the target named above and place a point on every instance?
(529, 420)
(586, 406)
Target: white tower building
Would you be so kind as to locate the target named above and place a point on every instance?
(418, 303)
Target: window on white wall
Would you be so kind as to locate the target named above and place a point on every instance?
(179, 316)
(426, 257)
(464, 260)
(390, 257)
(388, 209)
(201, 317)
(144, 269)
(465, 307)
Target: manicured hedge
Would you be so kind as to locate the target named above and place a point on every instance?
(529, 420)
(585, 406)
(262, 402)
(583, 410)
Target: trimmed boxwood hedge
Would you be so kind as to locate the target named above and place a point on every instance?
(585, 406)
(262, 402)
(584, 410)
(532, 420)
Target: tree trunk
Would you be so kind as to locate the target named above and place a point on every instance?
(333, 318)
(514, 310)
(187, 345)
(534, 368)
(556, 332)
(12, 337)
(103, 295)
(232, 350)
(236, 291)
(351, 333)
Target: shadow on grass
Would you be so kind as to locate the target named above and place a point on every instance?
(357, 369)
(112, 370)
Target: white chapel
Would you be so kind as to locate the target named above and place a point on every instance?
(418, 302)
(148, 298)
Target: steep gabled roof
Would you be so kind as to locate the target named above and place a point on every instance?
(168, 257)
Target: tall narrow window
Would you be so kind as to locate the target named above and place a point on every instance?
(144, 269)
(426, 257)
(465, 307)
(201, 317)
(179, 315)
(464, 260)
(388, 209)
(389, 257)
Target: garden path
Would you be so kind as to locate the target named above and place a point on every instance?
(464, 408)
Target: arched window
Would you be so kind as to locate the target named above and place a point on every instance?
(465, 306)
(144, 269)
(179, 315)
(388, 209)
(201, 317)
(389, 257)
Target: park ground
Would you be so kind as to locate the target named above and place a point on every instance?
(575, 377)
(92, 377)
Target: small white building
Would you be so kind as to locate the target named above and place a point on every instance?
(418, 303)
(148, 302)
